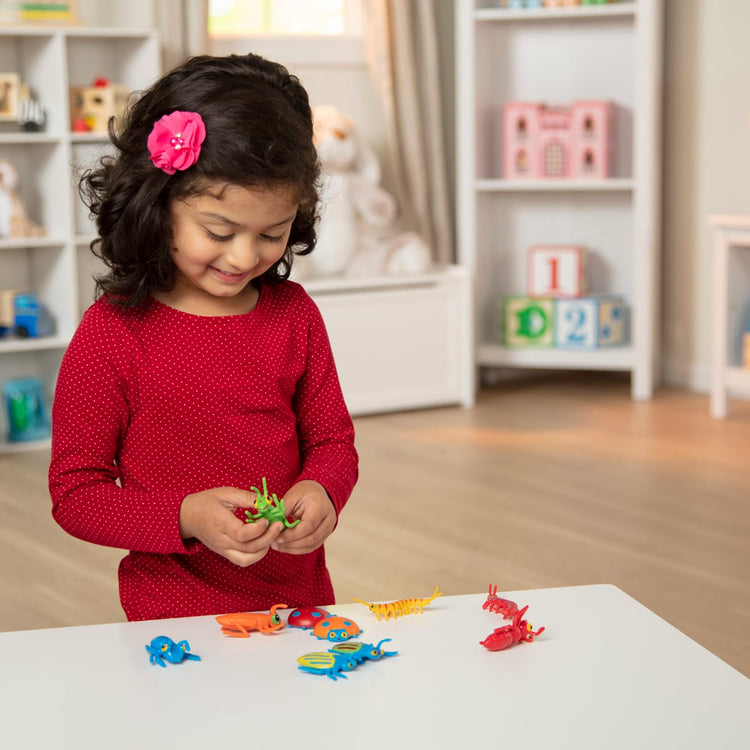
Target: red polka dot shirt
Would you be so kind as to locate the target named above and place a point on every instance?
(153, 404)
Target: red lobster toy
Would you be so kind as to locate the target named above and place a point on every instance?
(519, 630)
(494, 603)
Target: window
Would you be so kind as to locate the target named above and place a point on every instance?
(283, 17)
(298, 33)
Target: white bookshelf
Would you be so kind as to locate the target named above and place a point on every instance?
(57, 267)
(557, 56)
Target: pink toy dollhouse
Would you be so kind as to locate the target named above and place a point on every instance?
(557, 142)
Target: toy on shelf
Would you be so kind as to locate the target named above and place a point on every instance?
(590, 322)
(10, 95)
(574, 142)
(91, 107)
(335, 628)
(306, 617)
(31, 115)
(26, 409)
(163, 649)
(51, 11)
(23, 315)
(556, 270)
(271, 508)
(401, 607)
(327, 663)
(239, 624)
(518, 631)
(528, 322)
(494, 603)
(363, 651)
(14, 221)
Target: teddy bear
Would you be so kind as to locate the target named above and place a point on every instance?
(358, 232)
(14, 221)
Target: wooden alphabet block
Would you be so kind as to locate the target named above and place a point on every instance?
(528, 322)
(590, 322)
(556, 271)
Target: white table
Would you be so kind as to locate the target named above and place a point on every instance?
(731, 279)
(606, 674)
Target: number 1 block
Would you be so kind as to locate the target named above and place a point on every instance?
(590, 322)
(556, 271)
(528, 322)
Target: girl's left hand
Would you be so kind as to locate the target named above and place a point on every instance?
(308, 501)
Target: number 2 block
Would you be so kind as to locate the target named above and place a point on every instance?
(556, 271)
(590, 322)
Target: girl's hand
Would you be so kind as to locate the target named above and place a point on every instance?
(209, 517)
(308, 501)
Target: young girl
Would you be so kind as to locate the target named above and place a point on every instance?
(201, 370)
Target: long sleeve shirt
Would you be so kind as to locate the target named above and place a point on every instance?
(153, 404)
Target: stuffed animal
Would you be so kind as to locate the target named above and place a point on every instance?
(14, 221)
(358, 233)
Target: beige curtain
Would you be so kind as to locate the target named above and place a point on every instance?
(402, 49)
(183, 25)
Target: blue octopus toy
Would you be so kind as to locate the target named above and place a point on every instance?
(162, 648)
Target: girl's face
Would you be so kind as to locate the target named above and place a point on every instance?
(223, 239)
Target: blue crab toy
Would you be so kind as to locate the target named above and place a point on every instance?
(162, 648)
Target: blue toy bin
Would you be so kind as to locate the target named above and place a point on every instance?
(26, 410)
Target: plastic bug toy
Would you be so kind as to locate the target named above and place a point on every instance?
(494, 603)
(401, 607)
(363, 651)
(271, 508)
(517, 632)
(239, 624)
(328, 663)
(162, 648)
(306, 617)
(335, 628)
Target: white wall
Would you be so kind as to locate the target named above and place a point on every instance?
(707, 166)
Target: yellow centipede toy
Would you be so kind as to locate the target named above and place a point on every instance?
(401, 607)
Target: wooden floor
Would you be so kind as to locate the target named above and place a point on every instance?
(547, 483)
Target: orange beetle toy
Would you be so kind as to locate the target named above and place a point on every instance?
(239, 624)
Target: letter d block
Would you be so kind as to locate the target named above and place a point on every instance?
(528, 322)
(591, 322)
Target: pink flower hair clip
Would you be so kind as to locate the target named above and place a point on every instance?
(175, 141)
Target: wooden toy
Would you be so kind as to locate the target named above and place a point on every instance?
(556, 271)
(528, 321)
(558, 142)
(10, 86)
(91, 107)
(590, 322)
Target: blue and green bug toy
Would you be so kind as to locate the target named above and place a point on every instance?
(328, 663)
(162, 648)
(363, 651)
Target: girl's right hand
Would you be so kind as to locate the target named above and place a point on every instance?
(209, 517)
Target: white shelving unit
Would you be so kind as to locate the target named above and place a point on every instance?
(57, 267)
(731, 291)
(557, 56)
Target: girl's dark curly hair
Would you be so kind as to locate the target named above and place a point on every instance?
(258, 134)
